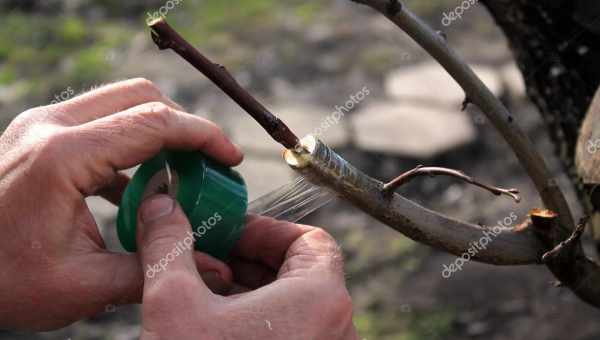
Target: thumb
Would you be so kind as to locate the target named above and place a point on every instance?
(165, 242)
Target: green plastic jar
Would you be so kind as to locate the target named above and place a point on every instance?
(213, 197)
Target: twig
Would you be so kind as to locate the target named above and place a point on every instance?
(478, 94)
(434, 171)
(568, 243)
(164, 36)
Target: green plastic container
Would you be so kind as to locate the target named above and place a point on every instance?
(213, 197)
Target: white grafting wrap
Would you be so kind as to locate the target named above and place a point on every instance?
(292, 201)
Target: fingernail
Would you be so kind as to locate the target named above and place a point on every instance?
(215, 282)
(156, 207)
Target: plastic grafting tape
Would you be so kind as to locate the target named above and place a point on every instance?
(213, 197)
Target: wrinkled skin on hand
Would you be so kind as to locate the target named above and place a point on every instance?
(284, 281)
(289, 283)
(55, 268)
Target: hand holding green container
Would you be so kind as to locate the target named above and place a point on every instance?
(213, 197)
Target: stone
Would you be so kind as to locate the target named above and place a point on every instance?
(412, 130)
(513, 80)
(429, 82)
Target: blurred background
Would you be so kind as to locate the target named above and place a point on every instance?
(305, 60)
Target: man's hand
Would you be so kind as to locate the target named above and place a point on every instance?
(54, 266)
(291, 283)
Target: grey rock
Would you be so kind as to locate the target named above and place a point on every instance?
(411, 129)
(513, 80)
(429, 82)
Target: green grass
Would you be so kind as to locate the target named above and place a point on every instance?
(52, 52)
(383, 325)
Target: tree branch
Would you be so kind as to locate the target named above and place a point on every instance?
(572, 268)
(478, 94)
(434, 171)
(321, 165)
(164, 36)
(567, 260)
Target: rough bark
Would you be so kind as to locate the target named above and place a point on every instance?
(556, 44)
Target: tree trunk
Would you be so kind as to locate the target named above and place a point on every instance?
(556, 44)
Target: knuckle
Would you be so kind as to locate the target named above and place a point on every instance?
(323, 237)
(55, 143)
(144, 86)
(331, 249)
(156, 114)
(28, 118)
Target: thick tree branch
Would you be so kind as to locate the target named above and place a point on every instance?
(324, 167)
(166, 37)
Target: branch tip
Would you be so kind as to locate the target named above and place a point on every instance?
(165, 37)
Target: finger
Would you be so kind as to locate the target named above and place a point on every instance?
(266, 240)
(109, 99)
(114, 279)
(217, 276)
(165, 242)
(313, 254)
(128, 138)
(113, 192)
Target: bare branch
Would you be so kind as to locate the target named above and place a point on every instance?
(434, 171)
(166, 37)
(567, 244)
(478, 94)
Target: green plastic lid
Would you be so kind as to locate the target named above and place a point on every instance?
(213, 197)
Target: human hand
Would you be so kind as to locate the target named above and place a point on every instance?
(290, 283)
(55, 268)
